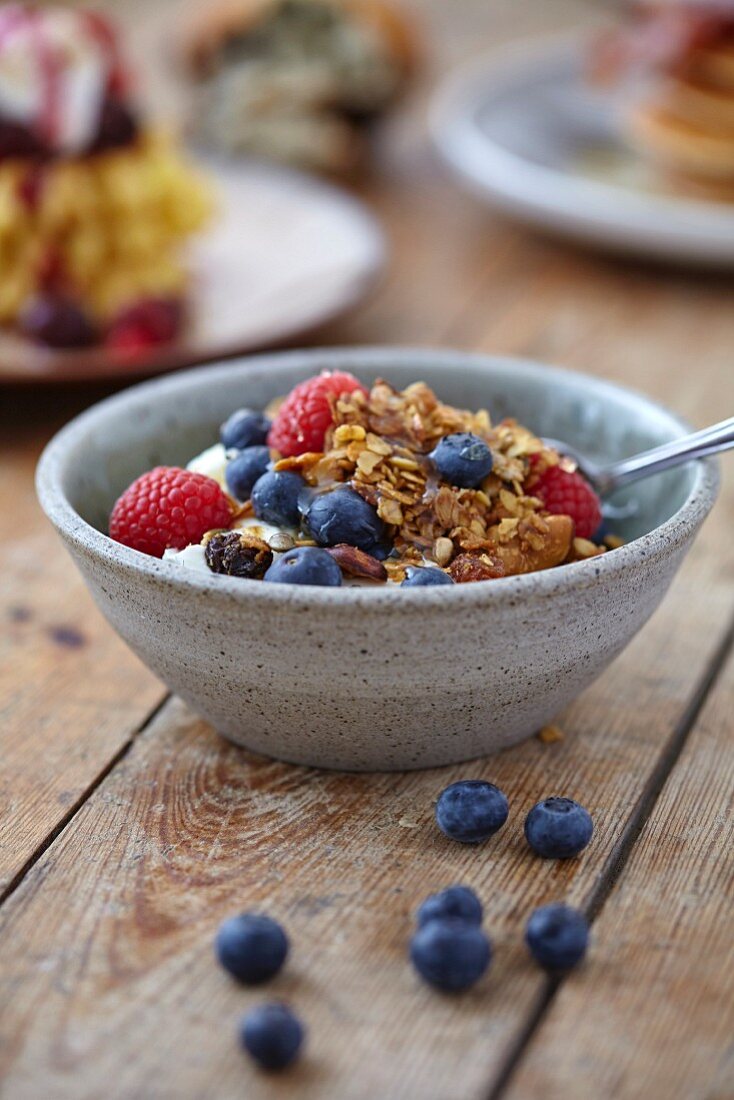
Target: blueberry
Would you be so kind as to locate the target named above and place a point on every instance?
(462, 459)
(471, 810)
(244, 428)
(275, 497)
(455, 901)
(426, 575)
(273, 1035)
(450, 954)
(557, 937)
(342, 515)
(251, 947)
(305, 565)
(58, 322)
(244, 469)
(558, 828)
(601, 532)
(380, 550)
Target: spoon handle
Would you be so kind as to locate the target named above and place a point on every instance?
(709, 441)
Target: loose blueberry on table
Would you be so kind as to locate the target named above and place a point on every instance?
(557, 937)
(272, 1035)
(395, 486)
(450, 954)
(471, 811)
(449, 949)
(459, 902)
(558, 828)
(251, 947)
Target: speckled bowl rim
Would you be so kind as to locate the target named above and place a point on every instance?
(657, 543)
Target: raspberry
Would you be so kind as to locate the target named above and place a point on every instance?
(568, 494)
(145, 324)
(168, 508)
(306, 414)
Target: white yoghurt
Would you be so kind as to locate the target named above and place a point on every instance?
(192, 557)
(212, 462)
(259, 528)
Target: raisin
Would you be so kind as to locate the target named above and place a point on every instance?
(238, 555)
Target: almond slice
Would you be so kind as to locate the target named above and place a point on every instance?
(357, 563)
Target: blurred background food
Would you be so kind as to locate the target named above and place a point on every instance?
(299, 81)
(95, 205)
(679, 58)
(111, 237)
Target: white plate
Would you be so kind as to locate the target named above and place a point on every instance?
(526, 131)
(285, 253)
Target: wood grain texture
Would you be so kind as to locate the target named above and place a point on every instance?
(107, 982)
(652, 1013)
(71, 694)
(69, 704)
(110, 933)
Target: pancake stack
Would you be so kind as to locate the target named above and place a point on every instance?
(680, 116)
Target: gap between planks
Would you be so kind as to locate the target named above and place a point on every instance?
(608, 876)
(88, 791)
(620, 853)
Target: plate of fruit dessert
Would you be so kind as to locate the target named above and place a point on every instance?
(119, 253)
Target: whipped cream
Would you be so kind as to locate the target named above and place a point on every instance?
(56, 65)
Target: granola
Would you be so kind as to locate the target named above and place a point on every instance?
(395, 483)
(380, 443)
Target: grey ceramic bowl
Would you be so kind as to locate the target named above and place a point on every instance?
(372, 679)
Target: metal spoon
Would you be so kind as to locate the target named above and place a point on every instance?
(605, 479)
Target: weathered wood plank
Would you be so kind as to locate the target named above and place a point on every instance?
(71, 694)
(110, 933)
(652, 1014)
(107, 978)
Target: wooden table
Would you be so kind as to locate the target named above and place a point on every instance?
(128, 829)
